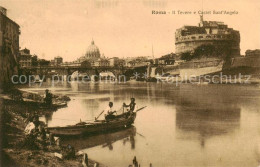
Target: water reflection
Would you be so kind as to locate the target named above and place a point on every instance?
(184, 125)
(48, 117)
(104, 140)
(206, 121)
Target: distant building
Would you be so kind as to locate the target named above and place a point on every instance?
(188, 38)
(136, 62)
(9, 47)
(81, 59)
(25, 58)
(43, 62)
(3, 10)
(92, 54)
(101, 62)
(57, 61)
(113, 61)
(255, 52)
(34, 60)
(52, 63)
(168, 59)
(251, 59)
(116, 62)
(131, 63)
(94, 58)
(74, 63)
(92, 51)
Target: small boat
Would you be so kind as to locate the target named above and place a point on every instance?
(55, 105)
(38, 79)
(121, 121)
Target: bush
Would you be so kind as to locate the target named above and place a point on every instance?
(209, 50)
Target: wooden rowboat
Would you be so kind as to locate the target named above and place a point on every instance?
(42, 105)
(36, 104)
(87, 128)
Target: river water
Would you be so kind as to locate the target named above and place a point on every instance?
(186, 125)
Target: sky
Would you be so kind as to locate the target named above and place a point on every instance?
(122, 28)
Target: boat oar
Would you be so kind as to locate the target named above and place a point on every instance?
(140, 134)
(140, 108)
(99, 115)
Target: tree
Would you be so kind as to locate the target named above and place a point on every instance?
(209, 50)
(44, 62)
(85, 64)
(186, 56)
(34, 60)
(204, 51)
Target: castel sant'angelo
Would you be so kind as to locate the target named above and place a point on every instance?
(188, 38)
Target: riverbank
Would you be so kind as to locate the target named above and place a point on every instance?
(236, 76)
(14, 118)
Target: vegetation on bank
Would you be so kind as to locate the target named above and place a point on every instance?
(207, 51)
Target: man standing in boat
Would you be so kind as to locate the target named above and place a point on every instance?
(131, 105)
(48, 98)
(110, 111)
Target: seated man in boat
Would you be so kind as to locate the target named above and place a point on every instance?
(48, 98)
(131, 105)
(110, 112)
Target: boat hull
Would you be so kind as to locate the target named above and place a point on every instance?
(93, 128)
(103, 139)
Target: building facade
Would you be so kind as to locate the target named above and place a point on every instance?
(57, 61)
(251, 59)
(116, 62)
(101, 62)
(168, 59)
(137, 62)
(255, 52)
(92, 53)
(9, 46)
(91, 57)
(25, 58)
(188, 38)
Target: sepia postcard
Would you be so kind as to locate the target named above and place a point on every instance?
(130, 83)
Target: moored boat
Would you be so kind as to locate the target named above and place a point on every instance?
(124, 120)
(38, 79)
(54, 105)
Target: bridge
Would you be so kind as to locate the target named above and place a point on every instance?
(68, 70)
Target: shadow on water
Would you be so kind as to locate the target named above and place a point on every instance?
(104, 140)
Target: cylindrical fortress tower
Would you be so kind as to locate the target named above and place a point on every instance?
(188, 38)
